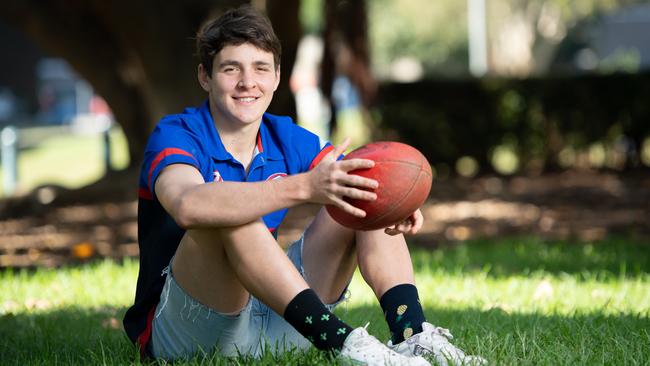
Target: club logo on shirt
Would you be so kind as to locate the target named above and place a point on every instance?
(217, 176)
(276, 176)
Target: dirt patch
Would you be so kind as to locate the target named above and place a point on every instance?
(584, 205)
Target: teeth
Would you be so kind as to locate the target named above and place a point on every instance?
(246, 100)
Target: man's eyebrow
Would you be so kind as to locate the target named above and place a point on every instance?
(239, 64)
(229, 63)
(262, 63)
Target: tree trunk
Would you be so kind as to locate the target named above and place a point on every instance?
(286, 23)
(346, 50)
(137, 54)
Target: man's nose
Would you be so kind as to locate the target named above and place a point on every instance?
(247, 81)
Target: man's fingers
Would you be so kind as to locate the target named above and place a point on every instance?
(352, 180)
(349, 208)
(340, 149)
(354, 164)
(405, 226)
(337, 150)
(418, 222)
(359, 194)
(409, 226)
(392, 231)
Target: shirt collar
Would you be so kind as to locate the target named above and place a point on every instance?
(266, 140)
(265, 143)
(216, 148)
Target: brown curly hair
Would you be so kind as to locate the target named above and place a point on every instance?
(236, 27)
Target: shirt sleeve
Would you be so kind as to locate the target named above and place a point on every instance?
(326, 148)
(169, 144)
(309, 147)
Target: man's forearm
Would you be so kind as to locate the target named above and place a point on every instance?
(221, 204)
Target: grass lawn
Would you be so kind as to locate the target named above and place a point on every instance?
(69, 160)
(517, 301)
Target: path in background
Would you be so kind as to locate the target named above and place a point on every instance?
(587, 206)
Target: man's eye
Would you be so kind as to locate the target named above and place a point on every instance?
(230, 69)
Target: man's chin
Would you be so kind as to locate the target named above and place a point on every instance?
(248, 119)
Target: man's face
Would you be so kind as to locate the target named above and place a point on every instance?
(242, 83)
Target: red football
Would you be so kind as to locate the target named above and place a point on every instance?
(404, 177)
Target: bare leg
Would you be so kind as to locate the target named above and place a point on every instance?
(220, 267)
(330, 257)
(384, 260)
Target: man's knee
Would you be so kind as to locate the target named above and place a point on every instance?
(219, 236)
(324, 229)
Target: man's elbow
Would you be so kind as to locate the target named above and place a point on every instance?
(186, 214)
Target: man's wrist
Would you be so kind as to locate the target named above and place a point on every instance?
(299, 189)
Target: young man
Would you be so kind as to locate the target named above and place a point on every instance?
(215, 185)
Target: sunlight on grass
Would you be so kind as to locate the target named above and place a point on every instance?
(69, 160)
(514, 301)
(105, 283)
(530, 276)
(541, 293)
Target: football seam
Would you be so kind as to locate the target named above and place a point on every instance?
(402, 199)
(408, 162)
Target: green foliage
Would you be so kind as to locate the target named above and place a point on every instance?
(311, 15)
(573, 9)
(518, 301)
(537, 119)
(435, 32)
(419, 29)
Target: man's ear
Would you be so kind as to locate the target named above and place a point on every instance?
(203, 77)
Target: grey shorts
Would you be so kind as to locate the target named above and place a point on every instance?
(183, 327)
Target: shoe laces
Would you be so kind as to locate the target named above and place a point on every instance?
(370, 344)
(369, 338)
(443, 332)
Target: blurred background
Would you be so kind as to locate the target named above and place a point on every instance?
(534, 115)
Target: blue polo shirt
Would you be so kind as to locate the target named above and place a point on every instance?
(283, 148)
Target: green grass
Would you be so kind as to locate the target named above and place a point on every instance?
(69, 160)
(514, 301)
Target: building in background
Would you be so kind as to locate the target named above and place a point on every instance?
(39, 90)
(614, 42)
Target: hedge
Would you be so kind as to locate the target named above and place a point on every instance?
(537, 117)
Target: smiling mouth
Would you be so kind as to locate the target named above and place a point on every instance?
(246, 99)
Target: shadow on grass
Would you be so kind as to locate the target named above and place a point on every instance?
(82, 336)
(77, 336)
(611, 258)
(532, 339)
(71, 335)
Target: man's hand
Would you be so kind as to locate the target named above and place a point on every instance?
(409, 226)
(330, 181)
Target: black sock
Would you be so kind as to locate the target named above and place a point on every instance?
(402, 311)
(311, 318)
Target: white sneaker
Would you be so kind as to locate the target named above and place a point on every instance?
(434, 341)
(360, 348)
